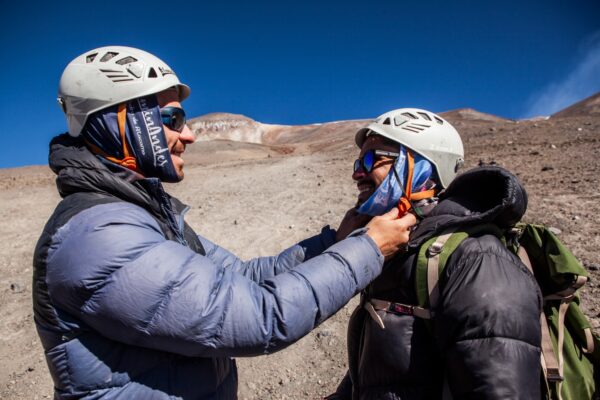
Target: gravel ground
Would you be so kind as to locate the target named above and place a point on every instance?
(256, 200)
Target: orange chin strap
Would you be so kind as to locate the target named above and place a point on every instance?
(128, 161)
(404, 204)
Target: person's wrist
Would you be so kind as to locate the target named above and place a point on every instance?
(328, 236)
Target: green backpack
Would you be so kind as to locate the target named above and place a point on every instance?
(570, 351)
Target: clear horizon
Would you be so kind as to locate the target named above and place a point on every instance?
(310, 62)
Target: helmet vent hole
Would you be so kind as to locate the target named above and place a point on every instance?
(116, 75)
(387, 122)
(126, 60)
(409, 115)
(424, 115)
(439, 121)
(152, 73)
(412, 129)
(108, 56)
(399, 121)
(90, 57)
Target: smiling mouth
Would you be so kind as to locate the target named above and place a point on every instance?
(365, 190)
(177, 153)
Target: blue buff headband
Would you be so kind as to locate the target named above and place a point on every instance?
(144, 134)
(388, 193)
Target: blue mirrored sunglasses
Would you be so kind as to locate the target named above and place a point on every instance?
(173, 117)
(367, 161)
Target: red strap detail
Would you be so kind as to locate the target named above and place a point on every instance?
(404, 206)
(425, 194)
(409, 178)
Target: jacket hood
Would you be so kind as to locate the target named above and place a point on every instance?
(481, 195)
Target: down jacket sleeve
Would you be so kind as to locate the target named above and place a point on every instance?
(259, 269)
(111, 267)
(487, 323)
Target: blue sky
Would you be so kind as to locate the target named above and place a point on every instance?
(309, 61)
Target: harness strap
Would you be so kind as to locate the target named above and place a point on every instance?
(562, 311)
(566, 297)
(545, 371)
(371, 310)
(522, 253)
(550, 365)
(570, 291)
(589, 339)
(374, 305)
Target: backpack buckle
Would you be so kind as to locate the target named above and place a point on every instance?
(512, 237)
(435, 249)
(553, 375)
(398, 308)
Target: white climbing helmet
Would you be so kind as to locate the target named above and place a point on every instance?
(423, 132)
(111, 75)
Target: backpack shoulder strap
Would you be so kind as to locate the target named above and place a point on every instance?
(433, 257)
(431, 261)
(550, 364)
(427, 274)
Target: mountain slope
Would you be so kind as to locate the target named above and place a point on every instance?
(469, 114)
(586, 107)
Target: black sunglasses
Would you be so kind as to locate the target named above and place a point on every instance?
(173, 117)
(367, 161)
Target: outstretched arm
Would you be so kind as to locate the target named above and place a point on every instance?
(259, 269)
(111, 267)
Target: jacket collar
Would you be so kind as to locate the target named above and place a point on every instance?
(481, 195)
(78, 170)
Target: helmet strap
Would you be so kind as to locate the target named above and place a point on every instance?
(128, 160)
(425, 194)
(405, 204)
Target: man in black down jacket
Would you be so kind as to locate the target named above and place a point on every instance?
(483, 341)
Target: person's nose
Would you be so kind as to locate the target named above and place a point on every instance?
(359, 174)
(187, 136)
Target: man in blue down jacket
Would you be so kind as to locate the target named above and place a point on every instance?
(483, 339)
(128, 301)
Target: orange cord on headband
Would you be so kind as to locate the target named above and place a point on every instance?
(128, 161)
(404, 204)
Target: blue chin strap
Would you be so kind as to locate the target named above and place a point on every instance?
(390, 191)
